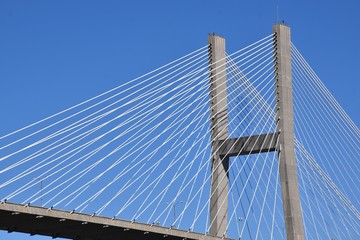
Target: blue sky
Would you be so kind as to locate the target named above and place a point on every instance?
(55, 54)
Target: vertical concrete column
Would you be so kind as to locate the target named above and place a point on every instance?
(219, 131)
(285, 118)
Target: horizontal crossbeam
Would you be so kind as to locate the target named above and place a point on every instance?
(56, 223)
(248, 145)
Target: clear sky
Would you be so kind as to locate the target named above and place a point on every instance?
(54, 54)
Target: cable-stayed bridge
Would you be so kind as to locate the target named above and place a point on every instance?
(243, 145)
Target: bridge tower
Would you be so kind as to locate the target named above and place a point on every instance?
(223, 147)
(285, 116)
(219, 132)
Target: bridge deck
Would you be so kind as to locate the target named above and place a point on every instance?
(56, 223)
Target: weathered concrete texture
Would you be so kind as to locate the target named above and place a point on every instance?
(55, 223)
(219, 131)
(248, 145)
(287, 160)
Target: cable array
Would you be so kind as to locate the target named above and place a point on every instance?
(327, 149)
(140, 151)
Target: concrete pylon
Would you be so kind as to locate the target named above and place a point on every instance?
(285, 118)
(223, 147)
(219, 132)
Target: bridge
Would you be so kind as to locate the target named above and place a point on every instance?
(247, 145)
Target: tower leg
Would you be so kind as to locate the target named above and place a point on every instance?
(219, 131)
(285, 118)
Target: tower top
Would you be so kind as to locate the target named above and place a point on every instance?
(282, 23)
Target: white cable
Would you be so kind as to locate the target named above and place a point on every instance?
(111, 90)
(45, 139)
